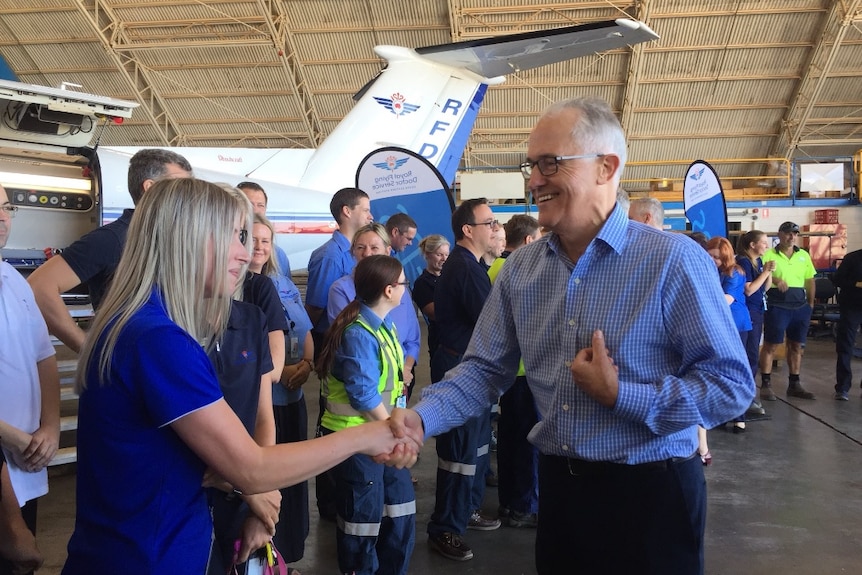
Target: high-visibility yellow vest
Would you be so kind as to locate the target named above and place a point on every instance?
(339, 414)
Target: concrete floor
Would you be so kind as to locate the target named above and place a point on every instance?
(784, 497)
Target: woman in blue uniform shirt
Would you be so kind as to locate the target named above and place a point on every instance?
(733, 283)
(758, 279)
(362, 366)
(151, 415)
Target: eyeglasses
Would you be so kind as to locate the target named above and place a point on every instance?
(405, 283)
(490, 224)
(549, 165)
(243, 236)
(10, 210)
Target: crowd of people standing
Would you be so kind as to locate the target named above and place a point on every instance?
(192, 443)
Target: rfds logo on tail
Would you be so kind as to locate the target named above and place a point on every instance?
(397, 104)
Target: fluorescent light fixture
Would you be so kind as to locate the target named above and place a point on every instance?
(14, 180)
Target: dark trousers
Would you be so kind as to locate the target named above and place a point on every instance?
(617, 519)
(28, 512)
(376, 529)
(291, 425)
(460, 470)
(845, 340)
(517, 458)
(751, 340)
(324, 484)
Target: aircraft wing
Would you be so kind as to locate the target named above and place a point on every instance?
(492, 57)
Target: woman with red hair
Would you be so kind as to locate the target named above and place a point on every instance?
(733, 283)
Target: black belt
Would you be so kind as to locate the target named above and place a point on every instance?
(450, 351)
(580, 467)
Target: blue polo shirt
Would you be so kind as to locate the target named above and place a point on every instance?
(141, 507)
(240, 357)
(283, 263)
(327, 263)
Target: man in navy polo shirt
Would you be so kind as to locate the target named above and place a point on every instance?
(93, 258)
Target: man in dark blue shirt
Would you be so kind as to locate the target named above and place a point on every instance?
(462, 453)
(848, 278)
(93, 258)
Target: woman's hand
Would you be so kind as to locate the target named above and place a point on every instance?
(265, 506)
(294, 376)
(254, 536)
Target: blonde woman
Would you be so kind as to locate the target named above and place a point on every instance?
(151, 415)
(435, 250)
(288, 402)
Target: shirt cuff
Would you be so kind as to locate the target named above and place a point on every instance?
(634, 401)
(430, 422)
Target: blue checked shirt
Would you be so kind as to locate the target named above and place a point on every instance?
(667, 326)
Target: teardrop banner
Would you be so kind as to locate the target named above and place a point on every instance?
(398, 180)
(703, 199)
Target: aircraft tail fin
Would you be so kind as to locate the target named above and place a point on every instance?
(427, 100)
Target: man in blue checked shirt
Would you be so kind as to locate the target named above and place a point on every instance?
(628, 346)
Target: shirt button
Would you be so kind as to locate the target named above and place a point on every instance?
(568, 364)
(577, 281)
(565, 447)
(566, 407)
(571, 322)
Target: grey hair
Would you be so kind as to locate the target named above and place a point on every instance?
(597, 130)
(432, 243)
(651, 206)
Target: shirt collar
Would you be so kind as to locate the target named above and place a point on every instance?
(613, 233)
(370, 317)
(341, 240)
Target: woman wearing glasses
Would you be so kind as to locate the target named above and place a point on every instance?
(361, 367)
(151, 415)
(370, 240)
(435, 250)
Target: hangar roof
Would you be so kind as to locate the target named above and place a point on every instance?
(727, 79)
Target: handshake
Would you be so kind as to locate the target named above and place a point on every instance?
(397, 440)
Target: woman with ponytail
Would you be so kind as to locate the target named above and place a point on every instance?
(362, 370)
(758, 279)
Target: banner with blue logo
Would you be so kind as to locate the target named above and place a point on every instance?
(704, 202)
(398, 180)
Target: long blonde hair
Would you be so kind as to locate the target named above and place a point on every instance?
(177, 225)
(270, 266)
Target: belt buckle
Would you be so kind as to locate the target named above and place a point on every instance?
(572, 472)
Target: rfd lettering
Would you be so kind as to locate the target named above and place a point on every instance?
(441, 129)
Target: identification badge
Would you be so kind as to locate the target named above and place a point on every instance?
(294, 347)
(401, 401)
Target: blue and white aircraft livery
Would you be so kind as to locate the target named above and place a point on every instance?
(426, 101)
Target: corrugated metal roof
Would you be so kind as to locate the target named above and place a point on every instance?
(728, 78)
